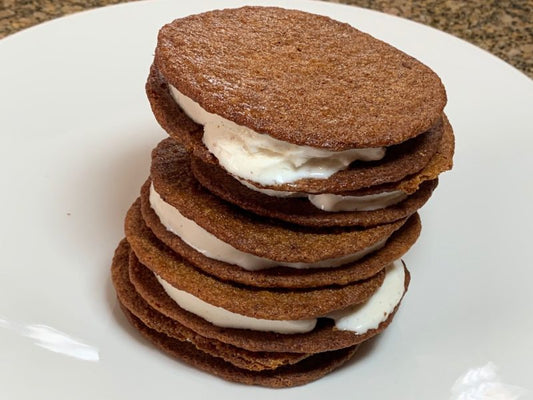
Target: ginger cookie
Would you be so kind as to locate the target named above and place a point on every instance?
(306, 371)
(400, 161)
(304, 76)
(283, 277)
(299, 210)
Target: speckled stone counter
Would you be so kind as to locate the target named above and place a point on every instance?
(505, 28)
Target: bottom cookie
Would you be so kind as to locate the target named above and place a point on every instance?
(306, 371)
(137, 306)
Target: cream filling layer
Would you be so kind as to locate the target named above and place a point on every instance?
(221, 317)
(210, 246)
(261, 158)
(359, 318)
(335, 202)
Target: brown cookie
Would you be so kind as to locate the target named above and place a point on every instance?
(299, 210)
(400, 161)
(299, 77)
(305, 371)
(324, 337)
(278, 304)
(282, 277)
(174, 182)
(132, 302)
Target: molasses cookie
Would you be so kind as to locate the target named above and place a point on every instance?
(299, 77)
(400, 160)
(308, 370)
(284, 277)
(291, 107)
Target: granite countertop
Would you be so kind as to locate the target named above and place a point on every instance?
(504, 28)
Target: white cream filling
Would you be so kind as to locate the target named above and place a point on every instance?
(334, 202)
(210, 246)
(359, 318)
(270, 192)
(221, 317)
(261, 158)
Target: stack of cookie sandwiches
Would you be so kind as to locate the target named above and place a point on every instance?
(266, 244)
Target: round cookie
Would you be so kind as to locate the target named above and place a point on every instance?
(282, 277)
(174, 182)
(299, 210)
(277, 304)
(296, 76)
(400, 161)
(324, 337)
(301, 373)
(130, 300)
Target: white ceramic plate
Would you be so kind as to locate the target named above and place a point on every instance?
(76, 132)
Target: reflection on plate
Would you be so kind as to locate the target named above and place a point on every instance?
(76, 135)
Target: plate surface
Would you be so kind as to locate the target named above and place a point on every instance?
(75, 141)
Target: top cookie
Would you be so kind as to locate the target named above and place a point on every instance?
(299, 77)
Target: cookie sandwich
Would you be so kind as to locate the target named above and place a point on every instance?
(322, 118)
(266, 243)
